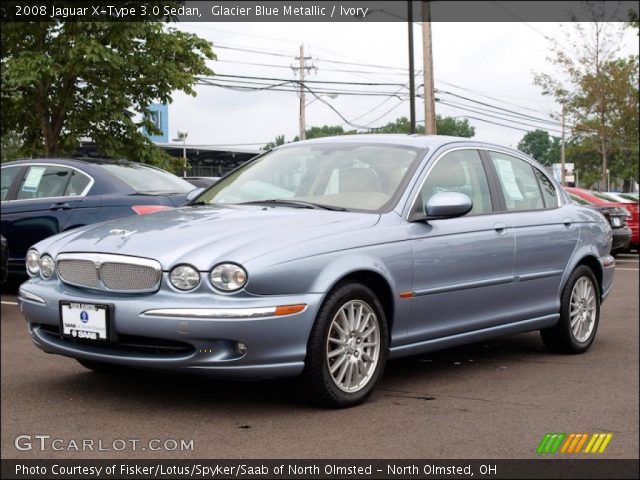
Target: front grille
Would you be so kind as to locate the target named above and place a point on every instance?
(124, 276)
(114, 273)
(79, 272)
(125, 344)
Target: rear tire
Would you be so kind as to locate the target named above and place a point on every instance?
(347, 348)
(579, 314)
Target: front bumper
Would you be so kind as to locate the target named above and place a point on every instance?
(275, 345)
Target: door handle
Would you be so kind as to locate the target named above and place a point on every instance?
(568, 222)
(60, 206)
(500, 228)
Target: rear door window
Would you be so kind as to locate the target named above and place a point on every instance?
(8, 176)
(48, 181)
(518, 181)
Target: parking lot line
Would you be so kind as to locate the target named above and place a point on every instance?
(628, 269)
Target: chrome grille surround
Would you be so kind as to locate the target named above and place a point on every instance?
(109, 272)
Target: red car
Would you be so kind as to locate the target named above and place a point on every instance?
(604, 200)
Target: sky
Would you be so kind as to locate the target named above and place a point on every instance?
(493, 63)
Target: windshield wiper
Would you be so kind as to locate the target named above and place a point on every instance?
(295, 203)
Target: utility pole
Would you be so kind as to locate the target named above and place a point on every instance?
(429, 100)
(412, 84)
(302, 66)
(562, 158)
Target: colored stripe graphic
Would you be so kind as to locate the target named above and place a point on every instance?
(598, 443)
(573, 443)
(550, 443)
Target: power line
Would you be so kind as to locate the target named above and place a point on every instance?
(333, 82)
(497, 117)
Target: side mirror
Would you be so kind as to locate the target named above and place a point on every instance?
(194, 193)
(447, 205)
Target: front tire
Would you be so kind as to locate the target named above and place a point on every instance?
(579, 314)
(347, 349)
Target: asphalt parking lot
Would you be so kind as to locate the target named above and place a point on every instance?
(487, 400)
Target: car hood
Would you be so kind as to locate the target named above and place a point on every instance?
(205, 235)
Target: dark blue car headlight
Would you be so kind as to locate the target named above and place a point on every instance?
(228, 277)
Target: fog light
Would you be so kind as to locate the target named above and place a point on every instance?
(241, 348)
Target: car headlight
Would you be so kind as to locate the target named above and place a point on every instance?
(33, 262)
(184, 277)
(47, 266)
(228, 277)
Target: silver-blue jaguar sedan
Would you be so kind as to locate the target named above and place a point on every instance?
(325, 258)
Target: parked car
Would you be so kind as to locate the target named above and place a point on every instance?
(617, 217)
(323, 258)
(202, 182)
(43, 197)
(4, 256)
(624, 197)
(602, 199)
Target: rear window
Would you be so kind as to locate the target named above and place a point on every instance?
(144, 179)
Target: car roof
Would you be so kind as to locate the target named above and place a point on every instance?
(408, 140)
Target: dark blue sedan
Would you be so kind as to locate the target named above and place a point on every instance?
(43, 197)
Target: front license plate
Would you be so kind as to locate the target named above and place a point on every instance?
(616, 222)
(84, 321)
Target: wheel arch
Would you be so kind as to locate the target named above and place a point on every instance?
(378, 284)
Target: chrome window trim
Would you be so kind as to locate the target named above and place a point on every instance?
(409, 206)
(44, 164)
(99, 258)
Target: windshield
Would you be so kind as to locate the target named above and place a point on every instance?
(145, 179)
(343, 176)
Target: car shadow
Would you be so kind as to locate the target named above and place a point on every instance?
(132, 388)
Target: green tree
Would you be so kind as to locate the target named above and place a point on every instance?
(11, 146)
(324, 131)
(444, 126)
(541, 146)
(62, 81)
(454, 127)
(279, 140)
(589, 87)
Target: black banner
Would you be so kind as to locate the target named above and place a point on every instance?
(317, 469)
(316, 11)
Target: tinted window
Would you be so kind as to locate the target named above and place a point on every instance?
(145, 179)
(519, 184)
(548, 190)
(460, 171)
(77, 184)
(8, 174)
(45, 181)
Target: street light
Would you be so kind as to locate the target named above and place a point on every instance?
(182, 137)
